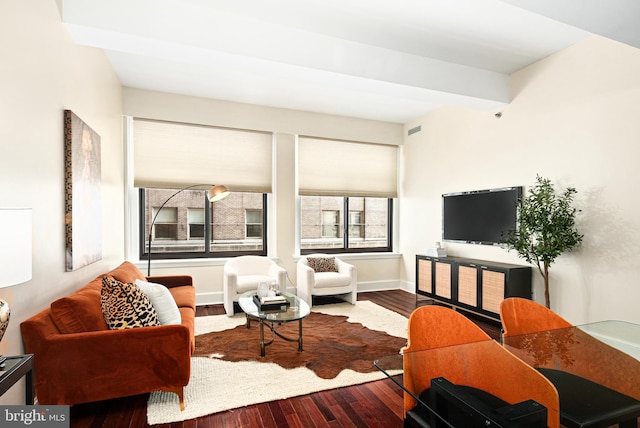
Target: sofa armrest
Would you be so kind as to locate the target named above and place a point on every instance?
(90, 366)
(170, 281)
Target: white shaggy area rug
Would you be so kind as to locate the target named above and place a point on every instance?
(218, 385)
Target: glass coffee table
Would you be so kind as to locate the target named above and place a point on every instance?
(295, 310)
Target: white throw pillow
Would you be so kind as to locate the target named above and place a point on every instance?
(162, 301)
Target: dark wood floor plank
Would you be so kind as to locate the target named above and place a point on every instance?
(278, 415)
(388, 397)
(266, 417)
(344, 399)
(318, 417)
(341, 417)
(385, 412)
(307, 412)
(322, 407)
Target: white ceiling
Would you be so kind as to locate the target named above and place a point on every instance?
(390, 60)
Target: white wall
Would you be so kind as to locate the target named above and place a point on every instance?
(43, 72)
(377, 271)
(573, 118)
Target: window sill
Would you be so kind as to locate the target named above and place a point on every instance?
(180, 263)
(360, 256)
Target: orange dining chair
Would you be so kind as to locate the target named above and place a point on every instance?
(432, 352)
(521, 316)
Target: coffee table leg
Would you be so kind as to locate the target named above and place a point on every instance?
(262, 345)
(300, 335)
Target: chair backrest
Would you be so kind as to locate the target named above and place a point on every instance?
(437, 326)
(251, 265)
(521, 316)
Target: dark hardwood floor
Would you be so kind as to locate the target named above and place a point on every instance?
(374, 404)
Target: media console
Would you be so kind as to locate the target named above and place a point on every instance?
(477, 286)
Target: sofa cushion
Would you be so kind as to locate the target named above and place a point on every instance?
(162, 302)
(124, 305)
(322, 264)
(80, 312)
(127, 272)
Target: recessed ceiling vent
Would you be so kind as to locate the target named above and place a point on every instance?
(414, 130)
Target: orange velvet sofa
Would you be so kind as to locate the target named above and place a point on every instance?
(78, 359)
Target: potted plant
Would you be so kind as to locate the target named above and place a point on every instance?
(546, 227)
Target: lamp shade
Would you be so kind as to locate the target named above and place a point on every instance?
(218, 192)
(15, 246)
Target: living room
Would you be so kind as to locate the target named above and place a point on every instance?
(571, 117)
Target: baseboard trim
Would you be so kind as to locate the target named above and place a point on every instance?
(216, 298)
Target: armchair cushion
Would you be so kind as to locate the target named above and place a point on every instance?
(331, 279)
(124, 305)
(322, 264)
(250, 282)
(162, 301)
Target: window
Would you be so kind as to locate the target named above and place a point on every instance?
(253, 223)
(166, 226)
(330, 224)
(325, 219)
(190, 226)
(356, 228)
(196, 223)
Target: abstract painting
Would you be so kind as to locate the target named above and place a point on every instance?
(83, 193)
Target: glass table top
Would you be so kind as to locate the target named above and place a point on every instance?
(296, 310)
(622, 335)
(604, 352)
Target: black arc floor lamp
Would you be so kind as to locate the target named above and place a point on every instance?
(216, 193)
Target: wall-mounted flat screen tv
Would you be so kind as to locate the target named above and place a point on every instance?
(481, 216)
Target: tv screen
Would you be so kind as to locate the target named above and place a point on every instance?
(480, 217)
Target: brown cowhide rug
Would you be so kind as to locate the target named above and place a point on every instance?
(330, 345)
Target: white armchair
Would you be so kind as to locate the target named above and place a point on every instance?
(325, 281)
(244, 273)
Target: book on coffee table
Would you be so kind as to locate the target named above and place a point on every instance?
(270, 303)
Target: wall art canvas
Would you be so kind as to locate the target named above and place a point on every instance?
(83, 193)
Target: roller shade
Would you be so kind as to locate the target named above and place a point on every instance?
(176, 155)
(345, 168)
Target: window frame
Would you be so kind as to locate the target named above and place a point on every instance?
(207, 253)
(345, 235)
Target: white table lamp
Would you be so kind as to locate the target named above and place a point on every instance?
(15, 255)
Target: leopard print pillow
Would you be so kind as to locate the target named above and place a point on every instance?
(124, 305)
(322, 264)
